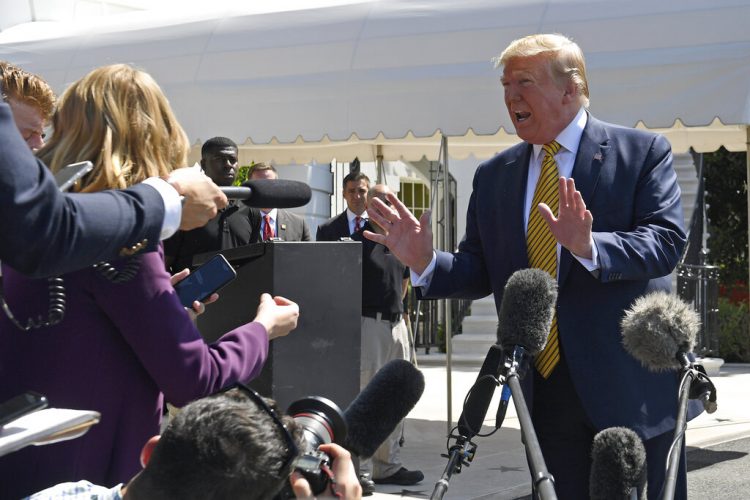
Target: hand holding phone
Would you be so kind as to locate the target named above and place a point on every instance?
(205, 280)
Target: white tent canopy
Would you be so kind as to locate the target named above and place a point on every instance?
(350, 78)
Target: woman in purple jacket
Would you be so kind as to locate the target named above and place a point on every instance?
(122, 343)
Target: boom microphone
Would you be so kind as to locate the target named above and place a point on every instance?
(618, 465)
(659, 330)
(382, 404)
(276, 193)
(524, 320)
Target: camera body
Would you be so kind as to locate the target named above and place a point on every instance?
(322, 422)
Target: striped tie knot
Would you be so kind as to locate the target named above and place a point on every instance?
(551, 148)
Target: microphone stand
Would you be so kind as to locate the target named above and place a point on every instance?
(543, 482)
(695, 384)
(461, 453)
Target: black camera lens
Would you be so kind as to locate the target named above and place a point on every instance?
(322, 422)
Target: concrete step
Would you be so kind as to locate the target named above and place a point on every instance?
(440, 359)
(479, 324)
(473, 344)
(483, 307)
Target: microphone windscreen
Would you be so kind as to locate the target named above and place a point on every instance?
(277, 193)
(525, 315)
(382, 404)
(618, 464)
(657, 327)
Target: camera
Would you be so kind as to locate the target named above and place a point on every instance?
(322, 422)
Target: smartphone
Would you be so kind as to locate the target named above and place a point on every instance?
(205, 280)
(69, 174)
(21, 405)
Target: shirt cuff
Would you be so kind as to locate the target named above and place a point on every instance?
(172, 206)
(424, 279)
(591, 264)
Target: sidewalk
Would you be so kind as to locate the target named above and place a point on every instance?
(499, 470)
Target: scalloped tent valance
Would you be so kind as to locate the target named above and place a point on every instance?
(340, 80)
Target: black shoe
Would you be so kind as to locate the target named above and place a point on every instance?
(403, 477)
(368, 487)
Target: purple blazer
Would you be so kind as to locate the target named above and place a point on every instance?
(122, 350)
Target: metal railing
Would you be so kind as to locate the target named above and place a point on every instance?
(698, 284)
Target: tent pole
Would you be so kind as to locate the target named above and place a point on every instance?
(747, 179)
(447, 228)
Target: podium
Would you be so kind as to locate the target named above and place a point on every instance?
(321, 357)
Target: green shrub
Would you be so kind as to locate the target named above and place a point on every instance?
(734, 331)
(242, 174)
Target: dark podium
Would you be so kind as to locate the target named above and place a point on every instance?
(321, 357)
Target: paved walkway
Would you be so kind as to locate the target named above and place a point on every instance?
(499, 470)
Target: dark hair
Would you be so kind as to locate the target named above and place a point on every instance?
(216, 143)
(355, 177)
(219, 447)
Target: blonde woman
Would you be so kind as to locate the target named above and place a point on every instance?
(114, 337)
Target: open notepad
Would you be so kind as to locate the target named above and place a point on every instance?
(45, 427)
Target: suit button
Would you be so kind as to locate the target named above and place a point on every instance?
(130, 251)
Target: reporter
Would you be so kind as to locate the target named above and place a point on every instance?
(122, 342)
(45, 232)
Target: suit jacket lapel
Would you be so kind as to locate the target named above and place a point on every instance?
(592, 154)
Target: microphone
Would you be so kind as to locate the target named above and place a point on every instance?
(524, 319)
(659, 330)
(382, 404)
(618, 465)
(276, 193)
(526, 311)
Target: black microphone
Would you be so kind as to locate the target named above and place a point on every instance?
(382, 404)
(618, 465)
(524, 319)
(274, 193)
(526, 311)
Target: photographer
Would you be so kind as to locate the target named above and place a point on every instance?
(228, 446)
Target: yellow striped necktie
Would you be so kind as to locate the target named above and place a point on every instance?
(542, 246)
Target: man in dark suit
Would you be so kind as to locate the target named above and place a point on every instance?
(276, 222)
(45, 232)
(351, 220)
(617, 235)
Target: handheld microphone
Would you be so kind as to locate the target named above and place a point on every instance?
(382, 404)
(276, 193)
(618, 465)
(659, 330)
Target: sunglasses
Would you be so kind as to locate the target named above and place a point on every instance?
(291, 446)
